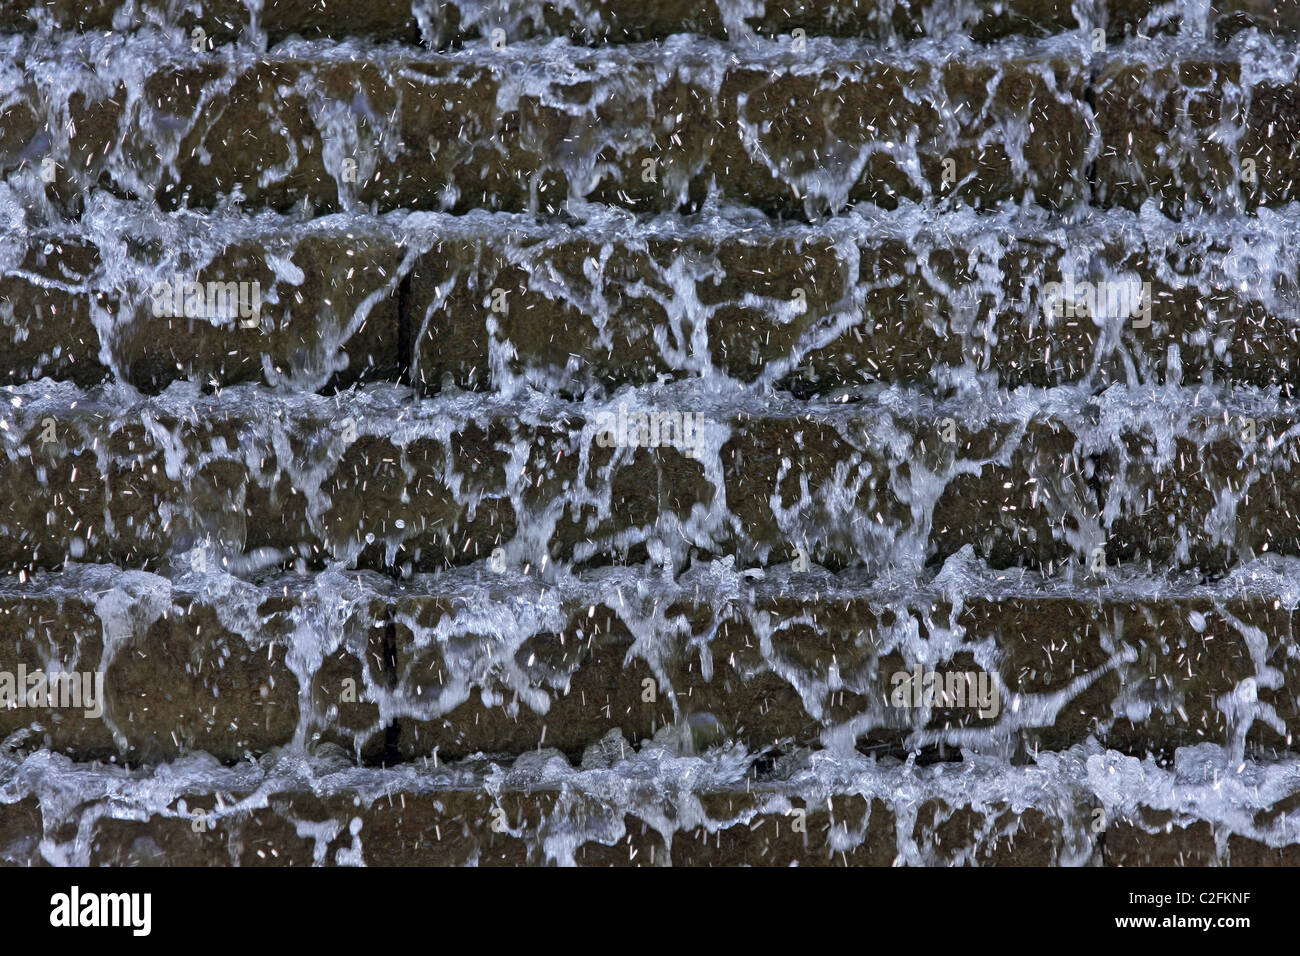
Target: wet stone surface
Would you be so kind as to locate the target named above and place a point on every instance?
(845, 433)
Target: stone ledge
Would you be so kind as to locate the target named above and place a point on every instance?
(601, 21)
(650, 810)
(477, 661)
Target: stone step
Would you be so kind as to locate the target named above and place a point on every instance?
(1190, 477)
(652, 808)
(504, 662)
(480, 301)
(649, 127)
(600, 21)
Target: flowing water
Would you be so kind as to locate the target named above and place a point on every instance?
(925, 442)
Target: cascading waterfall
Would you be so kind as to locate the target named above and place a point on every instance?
(407, 530)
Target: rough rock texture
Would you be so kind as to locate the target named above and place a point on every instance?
(906, 297)
(380, 481)
(609, 433)
(787, 133)
(503, 663)
(651, 810)
(444, 22)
